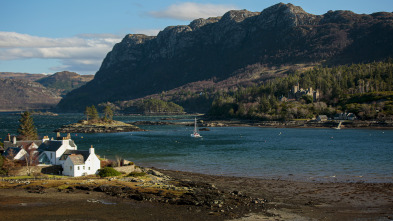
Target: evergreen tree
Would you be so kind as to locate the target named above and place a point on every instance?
(27, 130)
(88, 112)
(108, 113)
(92, 113)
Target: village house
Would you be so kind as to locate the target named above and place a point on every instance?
(322, 118)
(17, 150)
(60, 151)
(345, 116)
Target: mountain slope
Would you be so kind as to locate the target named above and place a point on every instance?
(65, 81)
(18, 95)
(216, 48)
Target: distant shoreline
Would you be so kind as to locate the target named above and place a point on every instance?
(346, 124)
(299, 124)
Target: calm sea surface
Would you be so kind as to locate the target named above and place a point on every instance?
(329, 155)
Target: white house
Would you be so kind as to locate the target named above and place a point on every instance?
(18, 149)
(80, 164)
(62, 151)
(52, 150)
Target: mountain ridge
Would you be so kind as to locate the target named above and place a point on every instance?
(23, 91)
(282, 34)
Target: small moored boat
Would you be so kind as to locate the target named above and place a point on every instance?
(196, 131)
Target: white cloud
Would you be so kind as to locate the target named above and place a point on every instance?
(83, 52)
(190, 11)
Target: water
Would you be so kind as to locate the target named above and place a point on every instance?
(348, 155)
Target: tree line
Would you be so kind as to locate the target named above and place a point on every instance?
(92, 114)
(364, 89)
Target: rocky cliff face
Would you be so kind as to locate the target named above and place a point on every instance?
(217, 47)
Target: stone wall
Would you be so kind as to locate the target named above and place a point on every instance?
(125, 169)
(50, 169)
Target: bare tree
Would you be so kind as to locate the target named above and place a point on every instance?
(31, 159)
(118, 160)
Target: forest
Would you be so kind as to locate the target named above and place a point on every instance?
(362, 89)
(154, 106)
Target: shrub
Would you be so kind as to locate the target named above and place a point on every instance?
(108, 171)
(136, 174)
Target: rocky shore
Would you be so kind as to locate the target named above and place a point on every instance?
(206, 123)
(298, 124)
(175, 195)
(98, 127)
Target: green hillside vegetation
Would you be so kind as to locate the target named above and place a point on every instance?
(158, 106)
(363, 89)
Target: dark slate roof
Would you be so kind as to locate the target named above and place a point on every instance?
(50, 145)
(25, 143)
(13, 150)
(77, 159)
(84, 153)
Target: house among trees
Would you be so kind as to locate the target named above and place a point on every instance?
(345, 116)
(16, 150)
(298, 92)
(322, 118)
(60, 151)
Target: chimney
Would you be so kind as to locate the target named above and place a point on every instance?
(45, 138)
(58, 135)
(14, 140)
(69, 136)
(91, 150)
(9, 137)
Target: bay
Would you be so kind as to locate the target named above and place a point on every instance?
(327, 155)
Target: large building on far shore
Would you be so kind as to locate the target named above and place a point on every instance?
(298, 92)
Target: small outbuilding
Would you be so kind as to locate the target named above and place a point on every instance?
(322, 118)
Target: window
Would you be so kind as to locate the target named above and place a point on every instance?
(78, 168)
(70, 167)
(88, 168)
(83, 167)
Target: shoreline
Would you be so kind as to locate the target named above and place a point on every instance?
(241, 198)
(332, 124)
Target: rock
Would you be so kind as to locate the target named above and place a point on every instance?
(36, 189)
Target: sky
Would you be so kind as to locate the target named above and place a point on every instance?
(48, 36)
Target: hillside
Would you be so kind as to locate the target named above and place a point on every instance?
(18, 95)
(22, 76)
(65, 81)
(217, 49)
(22, 91)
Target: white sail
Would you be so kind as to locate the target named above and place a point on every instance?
(196, 131)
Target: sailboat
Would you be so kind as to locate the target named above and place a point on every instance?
(196, 131)
(339, 126)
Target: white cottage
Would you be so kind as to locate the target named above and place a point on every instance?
(63, 151)
(80, 163)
